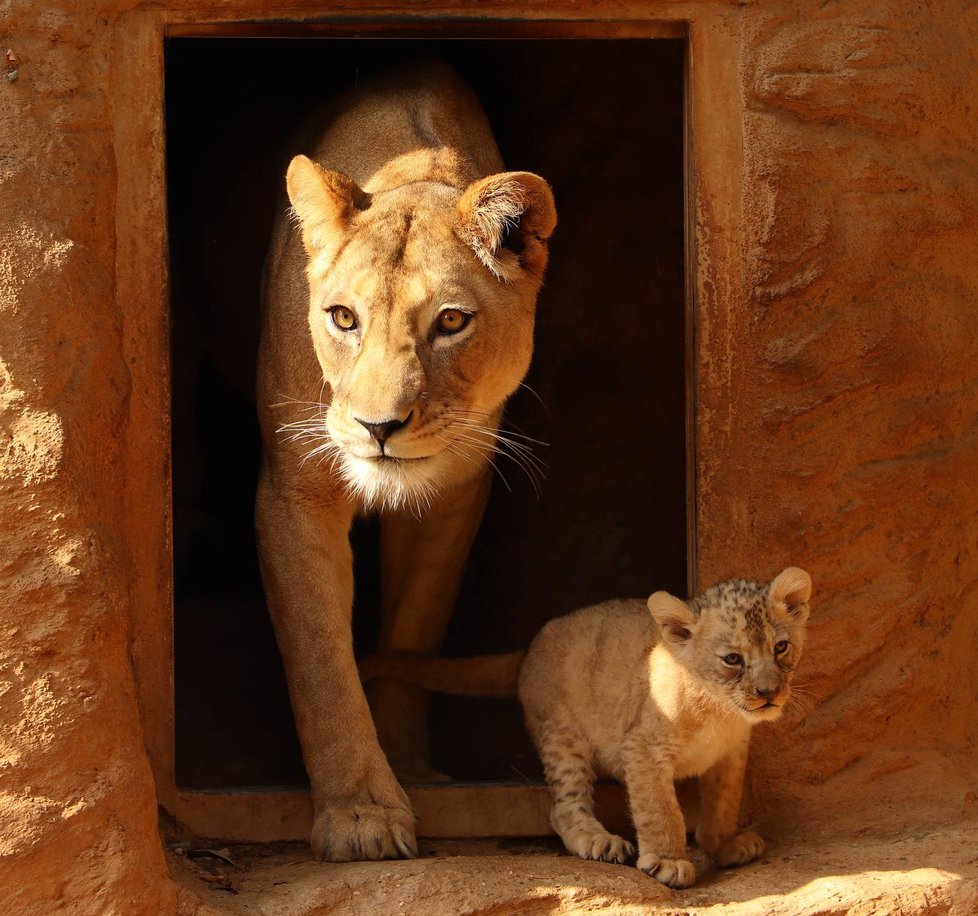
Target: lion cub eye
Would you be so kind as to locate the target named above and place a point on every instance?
(733, 659)
(342, 317)
(451, 321)
(781, 647)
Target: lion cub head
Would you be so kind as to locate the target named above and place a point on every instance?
(740, 640)
(422, 302)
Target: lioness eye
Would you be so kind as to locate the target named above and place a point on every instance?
(343, 318)
(781, 647)
(451, 321)
(733, 659)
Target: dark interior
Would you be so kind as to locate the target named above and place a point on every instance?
(602, 120)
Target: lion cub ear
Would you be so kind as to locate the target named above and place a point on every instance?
(792, 587)
(323, 201)
(676, 619)
(506, 219)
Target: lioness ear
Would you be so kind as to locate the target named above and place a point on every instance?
(323, 201)
(507, 219)
(676, 619)
(792, 588)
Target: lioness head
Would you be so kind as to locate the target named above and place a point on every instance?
(421, 309)
(741, 640)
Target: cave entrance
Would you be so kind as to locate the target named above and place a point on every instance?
(602, 117)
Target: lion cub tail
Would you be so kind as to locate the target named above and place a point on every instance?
(477, 676)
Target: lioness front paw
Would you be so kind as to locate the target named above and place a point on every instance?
(677, 873)
(739, 850)
(348, 833)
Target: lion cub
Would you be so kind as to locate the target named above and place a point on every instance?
(647, 699)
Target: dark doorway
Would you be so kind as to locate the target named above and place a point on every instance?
(602, 120)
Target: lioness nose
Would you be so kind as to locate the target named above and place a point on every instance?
(382, 431)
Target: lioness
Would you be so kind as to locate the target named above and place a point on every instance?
(398, 318)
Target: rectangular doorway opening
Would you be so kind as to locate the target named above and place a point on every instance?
(601, 119)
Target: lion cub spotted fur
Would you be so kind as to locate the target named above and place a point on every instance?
(647, 699)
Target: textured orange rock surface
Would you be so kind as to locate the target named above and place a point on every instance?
(837, 429)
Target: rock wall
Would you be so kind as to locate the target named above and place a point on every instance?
(77, 808)
(836, 426)
(857, 391)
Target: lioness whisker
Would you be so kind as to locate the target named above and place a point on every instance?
(494, 448)
(487, 451)
(302, 405)
(309, 423)
(516, 431)
(456, 449)
(327, 449)
(288, 401)
(533, 392)
(297, 432)
(521, 452)
(532, 471)
(450, 447)
(526, 452)
(496, 432)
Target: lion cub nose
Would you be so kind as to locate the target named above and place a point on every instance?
(767, 693)
(382, 431)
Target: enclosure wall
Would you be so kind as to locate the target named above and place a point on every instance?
(836, 392)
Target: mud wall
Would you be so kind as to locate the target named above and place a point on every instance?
(77, 808)
(853, 398)
(836, 411)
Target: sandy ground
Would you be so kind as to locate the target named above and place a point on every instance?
(902, 873)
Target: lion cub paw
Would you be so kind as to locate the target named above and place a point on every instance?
(363, 831)
(606, 847)
(598, 845)
(739, 850)
(677, 873)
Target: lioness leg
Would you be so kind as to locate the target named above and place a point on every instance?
(423, 563)
(360, 810)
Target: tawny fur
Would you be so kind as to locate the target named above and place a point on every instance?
(387, 221)
(473, 676)
(648, 693)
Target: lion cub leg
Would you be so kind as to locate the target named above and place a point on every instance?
(567, 765)
(717, 831)
(658, 818)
